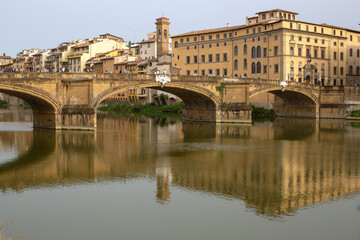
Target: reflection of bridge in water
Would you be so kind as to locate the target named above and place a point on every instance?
(271, 168)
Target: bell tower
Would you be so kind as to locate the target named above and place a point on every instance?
(162, 36)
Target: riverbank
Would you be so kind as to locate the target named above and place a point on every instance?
(148, 110)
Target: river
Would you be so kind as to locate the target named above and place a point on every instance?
(166, 179)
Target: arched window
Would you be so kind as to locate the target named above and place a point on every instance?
(245, 64)
(258, 52)
(245, 49)
(350, 70)
(253, 52)
(236, 51)
(165, 35)
(258, 67)
(357, 70)
(253, 70)
(236, 65)
(292, 66)
(176, 44)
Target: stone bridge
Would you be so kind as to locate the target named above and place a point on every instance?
(69, 101)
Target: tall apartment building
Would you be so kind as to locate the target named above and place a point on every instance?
(273, 45)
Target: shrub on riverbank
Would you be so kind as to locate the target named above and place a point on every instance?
(259, 112)
(147, 109)
(355, 113)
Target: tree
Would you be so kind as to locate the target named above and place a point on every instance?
(4, 54)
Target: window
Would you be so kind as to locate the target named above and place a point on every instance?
(253, 52)
(276, 37)
(308, 39)
(340, 33)
(292, 51)
(300, 39)
(265, 39)
(323, 53)
(203, 58)
(300, 67)
(299, 26)
(258, 67)
(357, 70)
(322, 30)
(265, 52)
(291, 25)
(203, 72)
(271, 14)
(259, 30)
(350, 37)
(236, 65)
(335, 71)
(210, 57)
(253, 68)
(316, 41)
(195, 72)
(334, 43)
(258, 52)
(218, 72)
(334, 55)
(195, 39)
(187, 48)
(315, 53)
(247, 31)
(308, 52)
(276, 68)
(187, 39)
(209, 45)
(341, 56)
(350, 70)
(187, 59)
(236, 51)
(176, 44)
(187, 72)
(225, 35)
(292, 66)
(263, 16)
(203, 46)
(217, 36)
(195, 59)
(358, 53)
(264, 69)
(276, 51)
(245, 64)
(202, 38)
(254, 30)
(351, 52)
(315, 29)
(225, 71)
(210, 37)
(224, 57)
(230, 35)
(224, 44)
(245, 49)
(300, 51)
(307, 27)
(181, 40)
(334, 32)
(341, 71)
(210, 71)
(218, 57)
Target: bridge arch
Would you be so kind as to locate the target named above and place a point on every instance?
(44, 106)
(200, 104)
(292, 102)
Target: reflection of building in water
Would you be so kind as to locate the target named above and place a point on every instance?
(280, 176)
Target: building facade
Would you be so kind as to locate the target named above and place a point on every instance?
(273, 45)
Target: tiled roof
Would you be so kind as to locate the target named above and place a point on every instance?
(277, 10)
(214, 30)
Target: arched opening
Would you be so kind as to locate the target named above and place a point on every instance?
(198, 105)
(245, 50)
(287, 103)
(258, 52)
(253, 52)
(236, 65)
(236, 51)
(44, 109)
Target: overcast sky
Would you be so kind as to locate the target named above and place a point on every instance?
(46, 23)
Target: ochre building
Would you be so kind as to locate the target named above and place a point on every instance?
(273, 45)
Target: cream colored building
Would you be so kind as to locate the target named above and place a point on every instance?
(272, 45)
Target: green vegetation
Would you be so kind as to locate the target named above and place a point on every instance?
(355, 124)
(220, 88)
(3, 104)
(262, 114)
(148, 110)
(355, 113)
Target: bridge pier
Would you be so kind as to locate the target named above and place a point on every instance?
(234, 113)
(78, 118)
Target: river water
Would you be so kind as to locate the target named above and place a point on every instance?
(167, 179)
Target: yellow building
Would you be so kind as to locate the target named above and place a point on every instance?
(272, 45)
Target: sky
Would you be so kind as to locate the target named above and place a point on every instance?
(45, 24)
